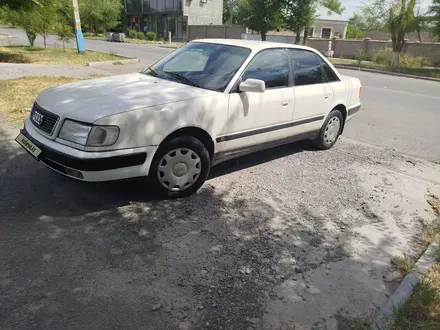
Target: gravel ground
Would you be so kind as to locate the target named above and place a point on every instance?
(12, 71)
(289, 238)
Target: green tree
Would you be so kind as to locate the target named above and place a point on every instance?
(434, 10)
(100, 14)
(27, 18)
(399, 22)
(299, 16)
(333, 5)
(353, 32)
(260, 15)
(230, 12)
(396, 16)
(356, 27)
(64, 33)
(46, 20)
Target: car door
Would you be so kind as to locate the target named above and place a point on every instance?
(254, 118)
(313, 95)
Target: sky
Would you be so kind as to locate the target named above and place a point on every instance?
(351, 6)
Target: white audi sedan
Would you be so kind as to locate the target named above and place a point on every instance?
(206, 102)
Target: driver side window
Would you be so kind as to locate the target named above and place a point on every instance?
(271, 66)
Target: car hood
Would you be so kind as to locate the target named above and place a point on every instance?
(90, 100)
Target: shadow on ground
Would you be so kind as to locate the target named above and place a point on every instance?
(78, 255)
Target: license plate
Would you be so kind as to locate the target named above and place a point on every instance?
(28, 145)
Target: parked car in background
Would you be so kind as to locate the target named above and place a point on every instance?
(206, 102)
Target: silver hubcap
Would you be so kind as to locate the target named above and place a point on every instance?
(179, 169)
(332, 130)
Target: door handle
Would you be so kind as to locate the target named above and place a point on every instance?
(284, 103)
(326, 98)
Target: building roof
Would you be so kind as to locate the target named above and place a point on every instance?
(325, 14)
(254, 45)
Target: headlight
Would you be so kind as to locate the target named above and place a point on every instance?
(75, 132)
(103, 136)
(88, 135)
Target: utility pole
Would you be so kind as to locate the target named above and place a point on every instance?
(79, 35)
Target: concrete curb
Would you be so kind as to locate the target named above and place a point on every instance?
(349, 67)
(165, 46)
(385, 317)
(97, 64)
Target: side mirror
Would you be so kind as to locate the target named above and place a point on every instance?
(252, 86)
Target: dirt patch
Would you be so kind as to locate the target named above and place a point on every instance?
(289, 237)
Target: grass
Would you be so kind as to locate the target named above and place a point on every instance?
(18, 95)
(403, 264)
(424, 72)
(89, 35)
(422, 309)
(26, 54)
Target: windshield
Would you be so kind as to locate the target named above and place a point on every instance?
(204, 65)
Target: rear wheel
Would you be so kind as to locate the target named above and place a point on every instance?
(330, 131)
(180, 167)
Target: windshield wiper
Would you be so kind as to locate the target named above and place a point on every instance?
(181, 78)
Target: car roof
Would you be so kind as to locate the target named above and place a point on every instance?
(252, 44)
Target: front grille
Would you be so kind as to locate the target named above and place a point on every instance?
(43, 119)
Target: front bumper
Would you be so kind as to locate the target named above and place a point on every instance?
(91, 166)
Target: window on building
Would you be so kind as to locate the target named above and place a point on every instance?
(311, 32)
(271, 66)
(306, 69)
(326, 33)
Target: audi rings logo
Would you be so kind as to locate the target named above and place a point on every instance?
(37, 117)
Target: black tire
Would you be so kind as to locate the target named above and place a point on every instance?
(321, 141)
(186, 142)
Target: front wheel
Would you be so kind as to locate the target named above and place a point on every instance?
(330, 131)
(180, 167)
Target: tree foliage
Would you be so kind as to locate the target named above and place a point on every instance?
(64, 33)
(230, 12)
(36, 17)
(434, 10)
(333, 5)
(353, 32)
(260, 15)
(397, 17)
(299, 16)
(100, 14)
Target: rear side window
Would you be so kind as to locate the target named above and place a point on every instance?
(331, 75)
(306, 68)
(271, 66)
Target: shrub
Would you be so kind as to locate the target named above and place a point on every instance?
(132, 34)
(384, 56)
(361, 56)
(151, 36)
(140, 36)
(407, 61)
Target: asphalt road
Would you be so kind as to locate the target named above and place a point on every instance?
(398, 113)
